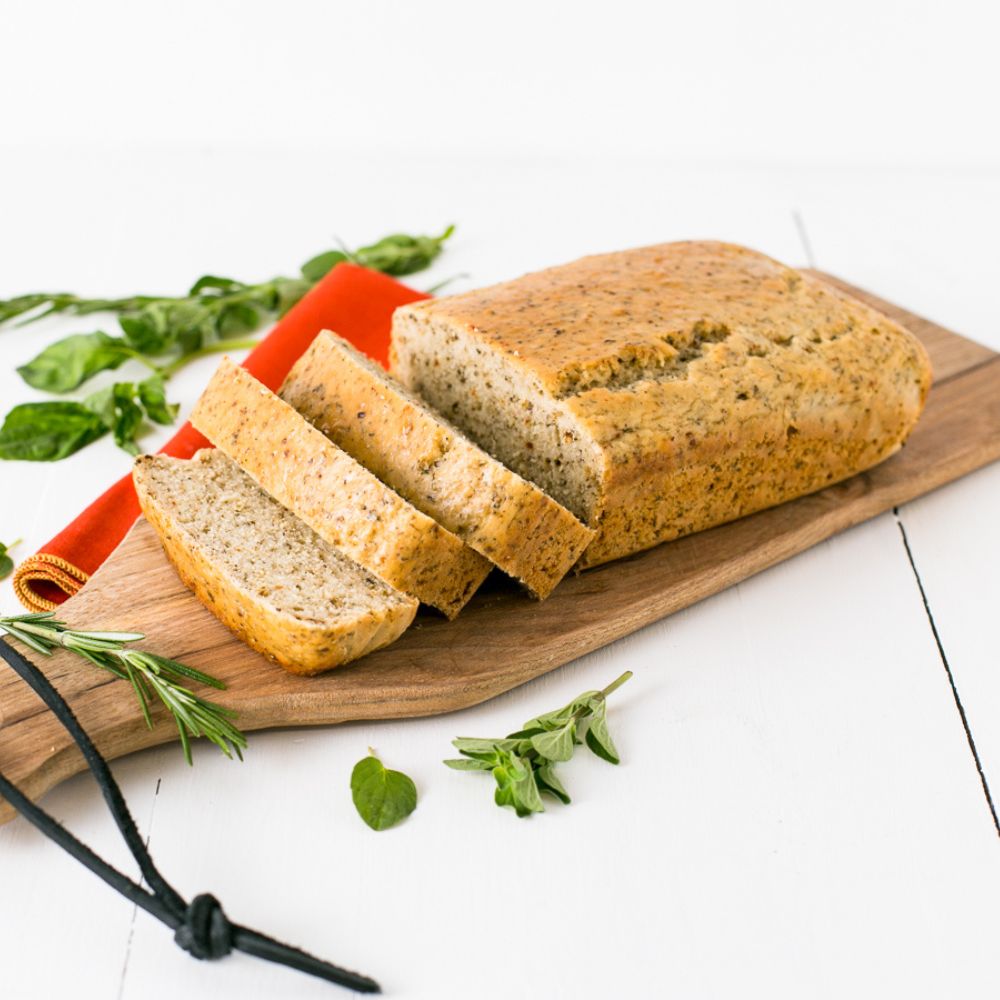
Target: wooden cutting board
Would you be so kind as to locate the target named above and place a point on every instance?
(502, 638)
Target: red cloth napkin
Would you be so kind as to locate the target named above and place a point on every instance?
(352, 301)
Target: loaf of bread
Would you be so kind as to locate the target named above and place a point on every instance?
(340, 500)
(660, 391)
(265, 574)
(356, 404)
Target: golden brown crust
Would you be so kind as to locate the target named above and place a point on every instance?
(512, 522)
(714, 380)
(300, 647)
(339, 499)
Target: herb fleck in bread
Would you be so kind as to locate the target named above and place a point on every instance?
(340, 500)
(660, 391)
(262, 571)
(433, 465)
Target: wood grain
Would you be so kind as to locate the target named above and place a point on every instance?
(502, 639)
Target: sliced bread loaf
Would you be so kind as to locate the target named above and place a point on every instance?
(356, 404)
(263, 572)
(344, 503)
(659, 391)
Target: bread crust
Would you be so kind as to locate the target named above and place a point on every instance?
(407, 445)
(339, 499)
(710, 380)
(300, 647)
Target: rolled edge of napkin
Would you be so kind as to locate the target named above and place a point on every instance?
(352, 301)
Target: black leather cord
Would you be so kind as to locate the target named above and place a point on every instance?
(200, 927)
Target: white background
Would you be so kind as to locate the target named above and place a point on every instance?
(799, 812)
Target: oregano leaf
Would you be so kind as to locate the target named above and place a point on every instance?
(469, 764)
(548, 782)
(556, 745)
(382, 797)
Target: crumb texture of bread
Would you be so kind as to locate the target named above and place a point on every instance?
(660, 391)
(344, 503)
(264, 573)
(391, 432)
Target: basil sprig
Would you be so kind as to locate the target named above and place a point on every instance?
(523, 763)
(382, 797)
(163, 333)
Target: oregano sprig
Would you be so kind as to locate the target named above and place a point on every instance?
(523, 763)
(151, 676)
(164, 333)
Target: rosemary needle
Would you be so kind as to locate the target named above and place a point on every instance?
(151, 676)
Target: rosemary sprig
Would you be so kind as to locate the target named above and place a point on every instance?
(151, 676)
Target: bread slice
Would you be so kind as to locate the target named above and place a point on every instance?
(340, 500)
(659, 391)
(260, 570)
(356, 404)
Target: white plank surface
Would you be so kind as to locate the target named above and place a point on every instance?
(798, 812)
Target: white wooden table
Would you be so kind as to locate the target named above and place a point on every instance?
(803, 807)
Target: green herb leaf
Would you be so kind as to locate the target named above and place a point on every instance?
(6, 563)
(69, 362)
(598, 738)
(470, 764)
(236, 319)
(516, 785)
(557, 745)
(548, 782)
(151, 330)
(46, 432)
(153, 396)
(319, 266)
(382, 797)
(400, 254)
(119, 412)
(523, 763)
(176, 329)
(214, 285)
(12, 308)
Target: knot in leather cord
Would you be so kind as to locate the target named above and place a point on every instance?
(206, 931)
(200, 927)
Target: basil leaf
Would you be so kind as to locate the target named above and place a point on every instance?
(598, 738)
(382, 797)
(236, 319)
(319, 266)
(119, 412)
(287, 292)
(46, 432)
(548, 782)
(21, 304)
(401, 254)
(213, 283)
(556, 745)
(69, 362)
(149, 330)
(153, 396)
